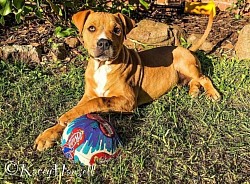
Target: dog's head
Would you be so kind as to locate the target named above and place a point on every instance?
(102, 33)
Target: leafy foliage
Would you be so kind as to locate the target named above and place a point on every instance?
(6, 7)
(60, 10)
(22, 8)
(60, 33)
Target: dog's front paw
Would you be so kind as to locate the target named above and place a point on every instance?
(47, 139)
(213, 94)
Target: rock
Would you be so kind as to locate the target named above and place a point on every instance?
(58, 51)
(27, 53)
(153, 33)
(246, 11)
(242, 46)
(72, 42)
(228, 46)
(206, 46)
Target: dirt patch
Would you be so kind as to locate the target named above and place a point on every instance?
(38, 32)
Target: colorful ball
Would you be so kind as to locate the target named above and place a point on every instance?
(90, 138)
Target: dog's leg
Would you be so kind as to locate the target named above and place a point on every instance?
(101, 104)
(188, 65)
(83, 100)
(211, 92)
(197, 80)
(48, 137)
(194, 88)
(206, 83)
(104, 104)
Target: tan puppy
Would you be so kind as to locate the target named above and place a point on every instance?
(118, 79)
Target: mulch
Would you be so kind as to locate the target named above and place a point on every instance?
(224, 34)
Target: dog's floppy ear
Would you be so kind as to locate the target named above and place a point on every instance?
(80, 18)
(128, 24)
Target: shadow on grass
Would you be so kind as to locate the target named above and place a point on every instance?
(207, 67)
(127, 125)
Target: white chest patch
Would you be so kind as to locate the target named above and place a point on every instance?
(100, 77)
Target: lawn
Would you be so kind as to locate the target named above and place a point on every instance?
(175, 139)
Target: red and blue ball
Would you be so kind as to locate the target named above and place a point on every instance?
(90, 138)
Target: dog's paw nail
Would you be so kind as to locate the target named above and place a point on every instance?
(34, 146)
(194, 94)
(214, 97)
(42, 145)
(44, 141)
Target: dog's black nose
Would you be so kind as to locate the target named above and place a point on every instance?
(104, 44)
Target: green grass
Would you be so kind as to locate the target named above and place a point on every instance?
(175, 139)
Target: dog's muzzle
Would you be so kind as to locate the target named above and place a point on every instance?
(104, 44)
(104, 50)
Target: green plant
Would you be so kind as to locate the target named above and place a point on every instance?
(20, 8)
(60, 33)
(59, 10)
(129, 8)
(144, 3)
(8, 6)
(184, 43)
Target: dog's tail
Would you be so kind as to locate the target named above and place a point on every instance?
(197, 45)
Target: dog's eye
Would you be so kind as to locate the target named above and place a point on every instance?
(117, 30)
(91, 28)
